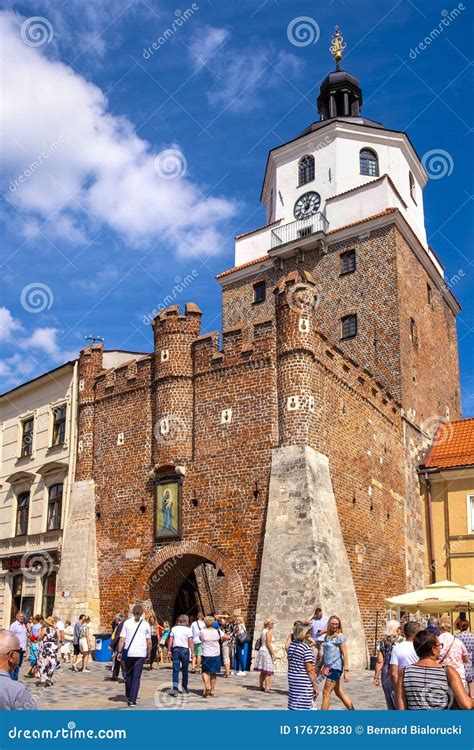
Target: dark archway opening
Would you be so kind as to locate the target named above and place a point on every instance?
(188, 585)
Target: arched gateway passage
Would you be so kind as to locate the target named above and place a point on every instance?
(187, 576)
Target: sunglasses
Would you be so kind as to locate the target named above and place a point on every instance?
(15, 651)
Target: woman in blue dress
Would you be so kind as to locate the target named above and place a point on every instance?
(335, 664)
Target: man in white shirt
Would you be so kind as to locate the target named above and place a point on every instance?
(404, 653)
(135, 639)
(318, 622)
(181, 643)
(196, 627)
(18, 628)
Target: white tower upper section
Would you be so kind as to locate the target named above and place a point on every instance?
(341, 170)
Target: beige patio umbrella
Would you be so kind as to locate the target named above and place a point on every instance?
(443, 596)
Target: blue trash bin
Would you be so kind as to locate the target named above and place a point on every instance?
(102, 650)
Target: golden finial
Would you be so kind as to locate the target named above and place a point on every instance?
(338, 45)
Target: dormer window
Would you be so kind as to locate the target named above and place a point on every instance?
(305, 170)
(412, 187)
(369, 163)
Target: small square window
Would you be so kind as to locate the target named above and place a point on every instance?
(349, 326)
(348, 262)
(259, 292)
(27, 428)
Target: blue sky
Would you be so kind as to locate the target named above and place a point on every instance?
(136, 137)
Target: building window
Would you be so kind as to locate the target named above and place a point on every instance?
(348, 262)
(55, 502)
(59, 425)
(49, 592)
(470, 514)
(22, 511)
(305, 170)
(17, 589)
(412, 187)
(349, 326)
(369, 163)
(270, 214)
(413, 330)
(429, 294)
(27, 427)
(259, 292)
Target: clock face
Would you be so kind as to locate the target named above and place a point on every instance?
(307, 205)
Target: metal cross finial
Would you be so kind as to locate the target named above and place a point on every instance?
(338, 45)
(93, 338)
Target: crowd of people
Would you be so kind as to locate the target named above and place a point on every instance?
(425, 668)
(429, 668)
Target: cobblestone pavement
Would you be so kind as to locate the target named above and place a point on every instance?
(96, 691)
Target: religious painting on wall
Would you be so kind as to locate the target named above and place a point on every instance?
(168, 509)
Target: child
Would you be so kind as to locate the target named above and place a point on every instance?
(34, 648)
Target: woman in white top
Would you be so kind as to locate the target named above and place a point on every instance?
(265, 656)
(211, 639)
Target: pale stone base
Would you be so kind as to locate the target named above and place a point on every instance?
(78, 572)
(304, 560)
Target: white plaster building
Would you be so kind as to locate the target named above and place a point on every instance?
(37, 449)
(38, 530)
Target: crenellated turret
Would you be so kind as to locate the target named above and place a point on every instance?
(295, 298)
(174, 335)
(90, 365)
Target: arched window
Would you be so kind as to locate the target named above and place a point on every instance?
(412, 186)
(369, 162)
(306, 169)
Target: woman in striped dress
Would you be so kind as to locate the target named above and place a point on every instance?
(302, 682)
(427, 685)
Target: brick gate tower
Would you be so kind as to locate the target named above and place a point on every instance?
(278, 471)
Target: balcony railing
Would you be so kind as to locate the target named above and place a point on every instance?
(297, 230)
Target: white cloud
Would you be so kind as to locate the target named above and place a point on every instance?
(80, 27)
(208, 39)
(38, 350)
(94, 284)
(8, 324)
(68, 161)
(240, 75)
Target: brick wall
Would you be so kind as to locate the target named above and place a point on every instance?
(227, 411)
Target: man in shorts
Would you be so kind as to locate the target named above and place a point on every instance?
(196, 626)
(76, 635)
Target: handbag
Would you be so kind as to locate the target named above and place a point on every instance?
(126, 650)
(258, 643)
(242, 638)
